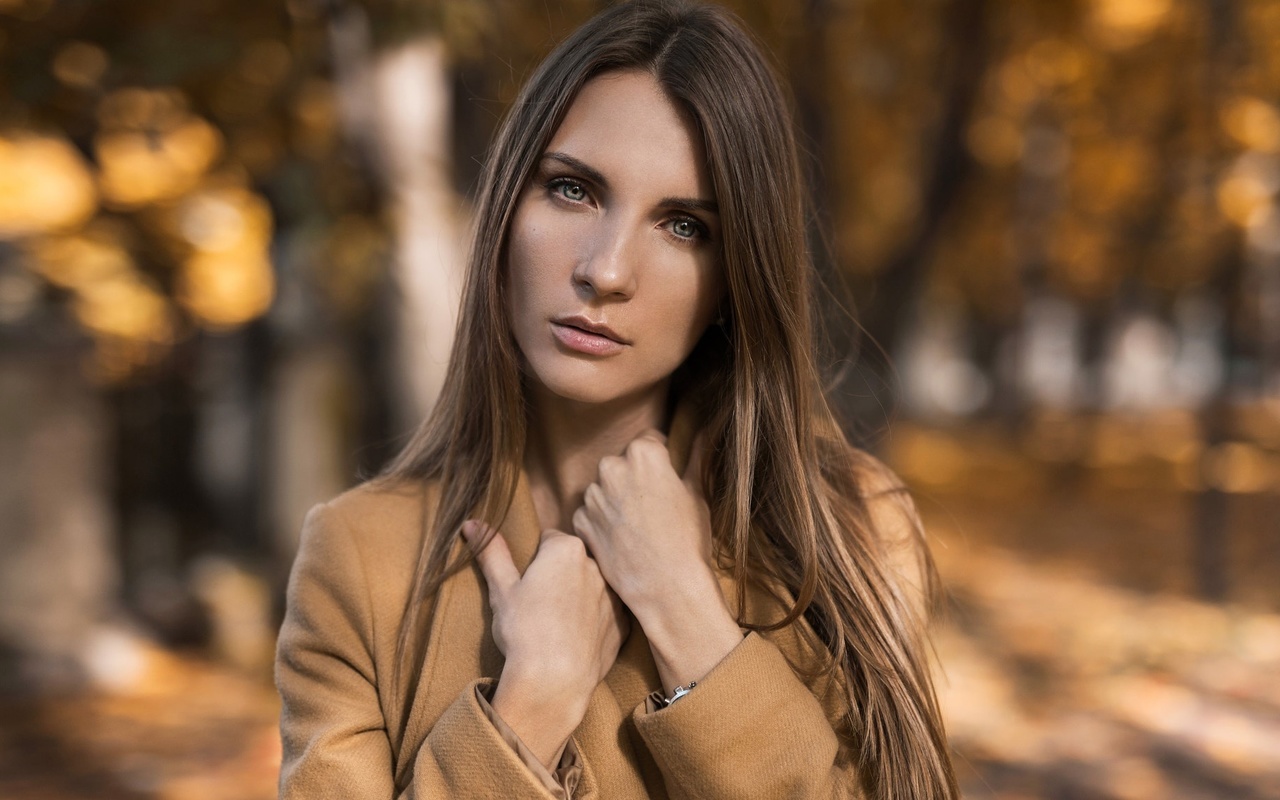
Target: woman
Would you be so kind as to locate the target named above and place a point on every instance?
(732, 609)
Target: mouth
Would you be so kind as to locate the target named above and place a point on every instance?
(582, 336)
(586, 325)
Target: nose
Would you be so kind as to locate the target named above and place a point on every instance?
(608, 268)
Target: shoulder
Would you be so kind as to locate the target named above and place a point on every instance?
(886, 497)
(373, 529)
(374, 510)
(381, 501)
(897, 529)
(873, 476)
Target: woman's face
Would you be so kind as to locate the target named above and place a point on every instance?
(614, 256)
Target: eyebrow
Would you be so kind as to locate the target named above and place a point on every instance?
(595, 176)
(691, 204)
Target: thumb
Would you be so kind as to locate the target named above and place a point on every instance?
(495, 562)
(693, 467)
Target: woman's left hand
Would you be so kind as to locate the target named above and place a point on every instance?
(647, 527)
(649, 530)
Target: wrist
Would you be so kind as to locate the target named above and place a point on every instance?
(689, 638)
(542, 691)
(542, 717)
(683, 610)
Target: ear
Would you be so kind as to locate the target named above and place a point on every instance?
(723, 309)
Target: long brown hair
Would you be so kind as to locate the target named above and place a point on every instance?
(788, 493)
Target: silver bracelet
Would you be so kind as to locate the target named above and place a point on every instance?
(680, 691)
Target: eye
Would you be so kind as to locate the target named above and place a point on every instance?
(568, 189)
(688, 228)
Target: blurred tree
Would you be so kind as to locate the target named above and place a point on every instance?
(1224, 56)
(192, 151)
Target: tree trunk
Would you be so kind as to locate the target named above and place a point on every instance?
(396, 106)
(58, 575)
(1210, 542)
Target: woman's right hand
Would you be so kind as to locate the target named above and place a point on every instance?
(559, 626)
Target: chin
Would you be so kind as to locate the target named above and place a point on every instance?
(590, 383)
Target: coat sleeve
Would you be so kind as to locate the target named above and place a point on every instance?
(333, 733)
(754, 705)
(751, 705)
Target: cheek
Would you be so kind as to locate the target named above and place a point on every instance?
(525, 256)
(687, 307)
(540, 256)
(704, 295)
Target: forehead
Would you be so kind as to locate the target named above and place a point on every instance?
(624, 125)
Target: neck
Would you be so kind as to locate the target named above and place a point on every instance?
(567, 439)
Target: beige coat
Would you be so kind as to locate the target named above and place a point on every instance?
(750, 729)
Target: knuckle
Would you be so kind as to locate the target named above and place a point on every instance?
(646, 447)
(566, 542)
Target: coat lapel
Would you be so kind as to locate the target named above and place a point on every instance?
(460, 646)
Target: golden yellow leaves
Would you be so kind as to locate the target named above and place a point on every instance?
(1246, 192)
(1121, 24)
(155, 159)
(1148, 451)
(1050, 668)
(225, 278)
(45, 186)
(150, 148)
(1254, 123)
(125, 310)
(995, 140)
(1236, 467)
(80, 64)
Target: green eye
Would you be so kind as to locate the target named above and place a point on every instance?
(685, 229)
(573, 191)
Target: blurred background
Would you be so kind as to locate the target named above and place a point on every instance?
(230, 245)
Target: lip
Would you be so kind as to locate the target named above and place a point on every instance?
(581, 340)
(590, 326)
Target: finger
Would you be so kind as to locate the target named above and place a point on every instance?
(551, 535)
(654, 434)
(582, 527)
(615, 473)
(646, 441)
(693, 468)
(495, 561)
(593, 497)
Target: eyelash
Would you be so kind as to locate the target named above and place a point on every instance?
(701, 232)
